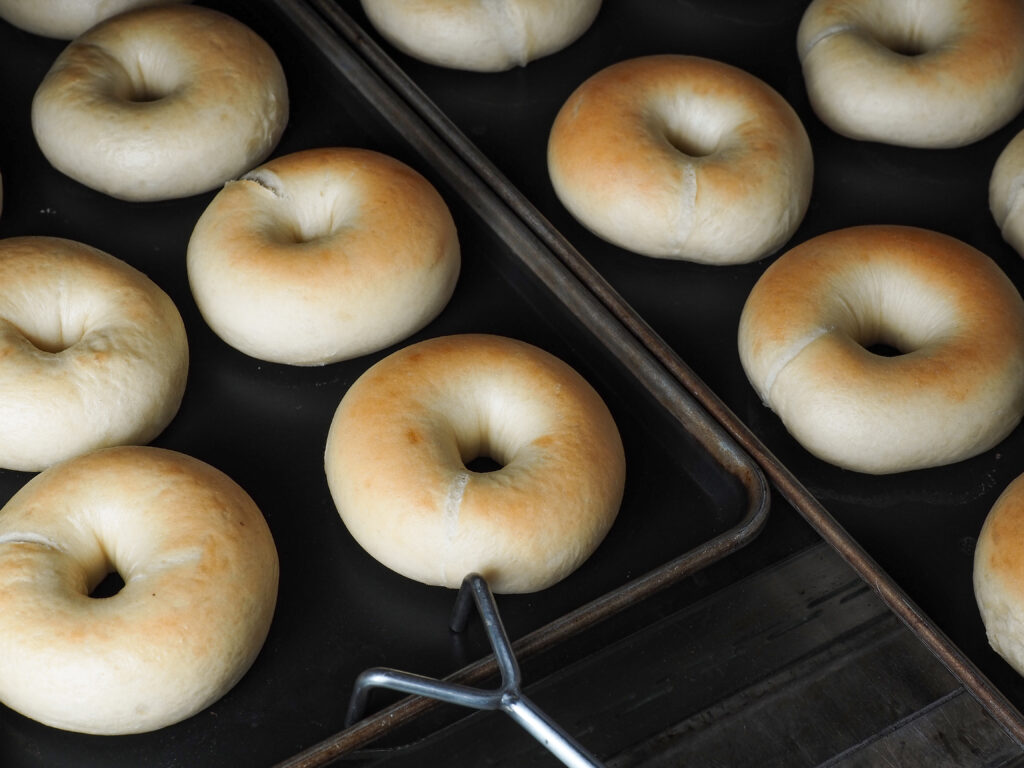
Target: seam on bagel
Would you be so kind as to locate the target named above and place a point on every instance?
(1014, 200)
(510, 29)
(268, 181)
(25, 537)
(688, 200)
(794, 351)
(453, 504)
(835, 29)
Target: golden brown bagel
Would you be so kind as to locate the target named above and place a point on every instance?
(323, 255)
(1004, 192)
(481, 35)
(999, 574)
(956, 390)
(935, 74)
(684, 158)
(65, 19)
(92, 352)
(161, 102)
(200, 583)
(400, 439)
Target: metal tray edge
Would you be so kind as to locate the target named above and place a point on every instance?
(821, 520)
(591, 308)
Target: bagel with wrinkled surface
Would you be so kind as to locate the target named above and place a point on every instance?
(955, 389)
(161, 102)
(936, 74)
(323, 255)
(402, 436)
(682, 157)
(481, 35)
(65, 19)
(92, 352)
(200, 576)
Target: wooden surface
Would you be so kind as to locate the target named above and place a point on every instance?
(798, 664)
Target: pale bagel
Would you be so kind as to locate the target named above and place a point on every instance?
(65, 19)
(400, 440)
(161, 102)
(936, 74)
(958, 387)
(999, 574)
(481, 35)
(92, 352)
(682, 157)
(323, 255)
(200, 583)
(1004, 193)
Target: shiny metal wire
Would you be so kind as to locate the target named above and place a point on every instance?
(508, 698)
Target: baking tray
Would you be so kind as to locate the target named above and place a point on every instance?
(912, 535)
(692, 495)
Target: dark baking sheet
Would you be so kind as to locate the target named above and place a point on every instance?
(918, 528)
(689, 489)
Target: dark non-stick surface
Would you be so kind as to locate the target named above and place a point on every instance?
(265, 425)
(920, 526)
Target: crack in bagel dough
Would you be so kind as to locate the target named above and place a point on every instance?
(92, 353)
(323, 255)
(66, 19)
(932, 74)
(402, 436)
(161, 102)
(999, 574)
(682, 157)
(480, 35)
(956, 389)
(200, 573)
(1004, 193)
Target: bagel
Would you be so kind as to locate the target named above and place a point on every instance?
(402, 435)
(323, 255)
(1004, 193)
(939, 74)
(488, 36)
(161, 102)
(956, 389)
(200, 578)
(92, 353)
(65, 19)
(999, 574)
(682, 157)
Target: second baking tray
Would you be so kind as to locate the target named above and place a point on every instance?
(692, 495)
(910, 535)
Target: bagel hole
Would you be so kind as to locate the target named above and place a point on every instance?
(150, 82)
(109, 586)
(144, 95)
(45, 345)
(883, 350)
(483, 464)
(149, 79)
(905, 47)
(51, 343)
(689, 144)
(908, 38)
